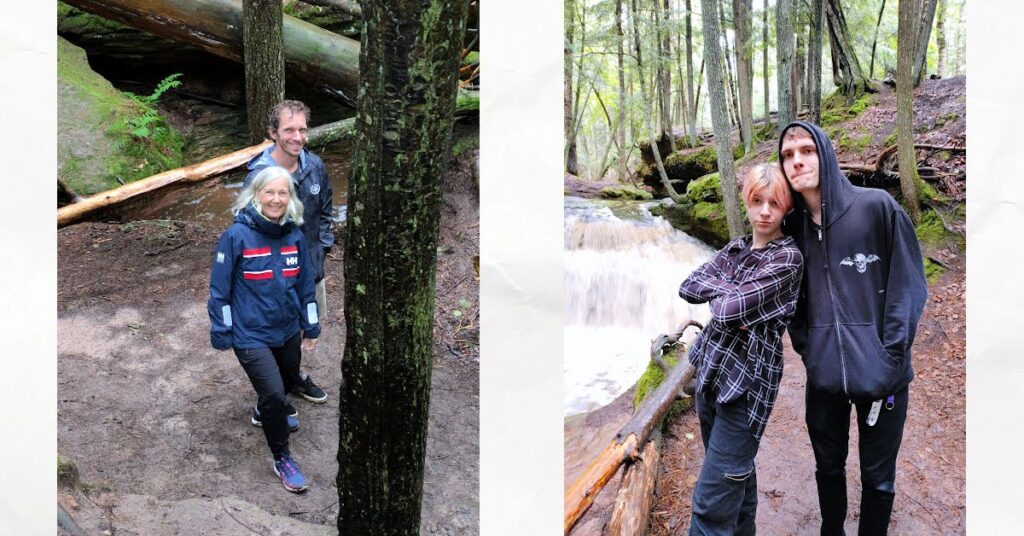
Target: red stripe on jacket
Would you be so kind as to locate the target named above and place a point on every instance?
(289, 250)
(290, 272)
(256, 252)
(265, 274)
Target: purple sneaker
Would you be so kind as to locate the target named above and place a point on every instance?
(291, 476)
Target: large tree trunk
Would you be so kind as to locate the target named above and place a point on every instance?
(326, 61)
(263, 47)
(905, 50)
(720, 119)
(784, 60)
(404, 124)
(814, 62)
(924, 33)
(799, 65)
(689, 75)
(874, 42)
(846, 70)
(734, 109)
(940, 36)
(569, 115)
(620, 131)
(765, 65)
(744, 69)
(664, 70)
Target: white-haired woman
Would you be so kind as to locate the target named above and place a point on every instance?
(263, 303)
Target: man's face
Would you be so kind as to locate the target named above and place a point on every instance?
(800, 162)
(291, 132)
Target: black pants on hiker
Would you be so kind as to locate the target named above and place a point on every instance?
(828, 424)
(273, 372)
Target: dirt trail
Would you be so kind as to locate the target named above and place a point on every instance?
(157, 422)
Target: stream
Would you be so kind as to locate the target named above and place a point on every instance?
(623, 268)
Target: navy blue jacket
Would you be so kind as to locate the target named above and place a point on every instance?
(316, 195)
(261, 288)
(863, 289)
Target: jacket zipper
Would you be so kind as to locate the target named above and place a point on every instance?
(832, 301)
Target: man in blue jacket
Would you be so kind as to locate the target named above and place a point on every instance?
(287, 126)
(862, 295)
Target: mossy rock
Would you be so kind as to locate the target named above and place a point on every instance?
(703, 221)
(685, 166)
(649, 382)
(932, 234)
(624, 191)
(706, 189)
(95, 143)
(838, 107)
(932, 271)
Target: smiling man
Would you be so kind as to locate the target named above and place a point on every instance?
(287, 126)
(862, 295)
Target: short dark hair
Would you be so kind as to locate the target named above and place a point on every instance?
(294, 106)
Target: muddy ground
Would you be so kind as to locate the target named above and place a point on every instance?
(156, 422)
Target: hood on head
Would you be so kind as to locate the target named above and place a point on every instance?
(249, 216)
(837, 192)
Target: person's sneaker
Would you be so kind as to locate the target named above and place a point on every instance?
(291, 475)
(309, 390)
(293, 417)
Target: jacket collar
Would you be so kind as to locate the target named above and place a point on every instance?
(265, 159)
(250, 217)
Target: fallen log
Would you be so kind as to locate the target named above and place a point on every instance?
(325, 60)
(624, 447)
(633, 502)
(320, 135)
(876, 166)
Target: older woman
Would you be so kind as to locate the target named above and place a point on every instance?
(263, 303)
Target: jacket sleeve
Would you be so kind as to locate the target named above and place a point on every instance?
(309, 315)
(906, 289)
(326, 209)
(707, 282)
(771, 293)
(219, 304)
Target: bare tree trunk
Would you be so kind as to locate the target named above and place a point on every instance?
(845, 68)
(621, 130)
(720, 119)
(764, 63)
(784, 60)
(958, 46)
(263, 55)
(390, 259)
(734, 109)
(689, 75)
(924, 33)
(568, 102)
(874, 42)
(940, 36)
(684, 106)
(664, 70)
(744, 67)
(905, 51)
(814, 62)
(799, 66)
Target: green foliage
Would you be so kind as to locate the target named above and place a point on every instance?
(932, 234)
(149, 123)
(649, 382)
(67, 472)
(932, 270)
(625, 191)
(706, 189)
(464, 144)
(837, 107)
(890, 139)
(945, 119)
(858, 144)
(471, 58)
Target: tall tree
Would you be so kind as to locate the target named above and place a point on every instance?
(720, 119)
(741, 10)
(664, 69)
(799, 64)
(764, 62)
(958, 43)
(404, 123)
(874, 42)
(263, 55)
(568, 109)
(924, 32)
(905, 49)
(784, 60)
(814, 61)
(846, 71)
(620, 131)
(940, 36)
(729, 84)
(689, 75)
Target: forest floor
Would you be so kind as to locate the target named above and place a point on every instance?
(156, 422)
(931, 468)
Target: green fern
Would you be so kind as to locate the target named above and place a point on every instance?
(142, 126)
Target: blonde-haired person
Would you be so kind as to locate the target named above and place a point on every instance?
(263, 304)
(752, 285)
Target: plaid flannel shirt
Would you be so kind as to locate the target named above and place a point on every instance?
(757, 294)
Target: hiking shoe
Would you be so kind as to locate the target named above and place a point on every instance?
(293, 417)
(309, 390)
(291, 475)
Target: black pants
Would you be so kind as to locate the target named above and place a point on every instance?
(828, 423)
(273, 372)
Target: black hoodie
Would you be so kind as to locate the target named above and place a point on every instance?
(863, 289)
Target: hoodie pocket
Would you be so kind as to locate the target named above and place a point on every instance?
(870, 370)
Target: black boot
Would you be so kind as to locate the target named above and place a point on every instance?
(875, 510)
(832, 501)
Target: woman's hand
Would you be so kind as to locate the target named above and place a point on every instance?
(308, 345)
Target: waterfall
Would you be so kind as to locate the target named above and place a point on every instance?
(623, 268)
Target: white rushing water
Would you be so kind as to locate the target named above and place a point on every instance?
(623, 268)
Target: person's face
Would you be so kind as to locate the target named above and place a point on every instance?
(274, 198)
(291, 132)
(765, 214)
(800, 161)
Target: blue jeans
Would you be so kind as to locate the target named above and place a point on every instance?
(725, 497)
